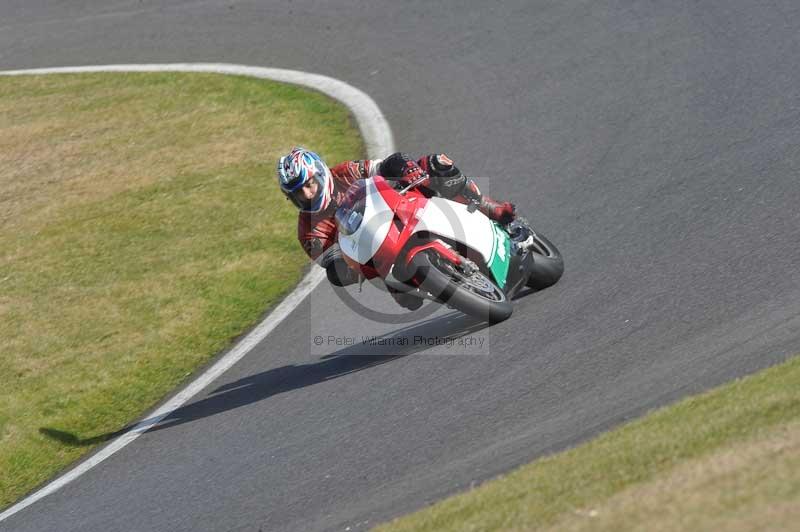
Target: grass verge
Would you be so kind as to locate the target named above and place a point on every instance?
(140, 231)
(728, 459)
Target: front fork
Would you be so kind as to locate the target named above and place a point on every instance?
(399, 276)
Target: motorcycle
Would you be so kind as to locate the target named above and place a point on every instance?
(437, 249)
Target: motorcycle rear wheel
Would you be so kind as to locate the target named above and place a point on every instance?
(475, 294)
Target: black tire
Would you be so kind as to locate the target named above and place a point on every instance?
(548, 264)
(437, 277)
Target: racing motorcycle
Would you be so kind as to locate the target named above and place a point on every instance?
(438, 249)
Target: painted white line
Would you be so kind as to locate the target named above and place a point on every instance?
(379, 142)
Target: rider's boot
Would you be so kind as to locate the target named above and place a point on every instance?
(520, 233)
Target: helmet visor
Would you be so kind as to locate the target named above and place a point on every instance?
(299, 196)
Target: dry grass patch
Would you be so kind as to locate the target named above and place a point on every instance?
(728, 459)
(140, 230)
(752, 485)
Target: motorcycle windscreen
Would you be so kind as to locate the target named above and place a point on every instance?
(453, 221)
(363, 220)
(350, 213)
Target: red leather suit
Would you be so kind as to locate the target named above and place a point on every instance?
(317, 230)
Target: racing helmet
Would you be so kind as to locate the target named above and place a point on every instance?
(299, 167)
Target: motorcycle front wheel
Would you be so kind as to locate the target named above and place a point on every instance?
(548, 264)
(473, 294)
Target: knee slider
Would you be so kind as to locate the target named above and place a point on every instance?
(340, 274)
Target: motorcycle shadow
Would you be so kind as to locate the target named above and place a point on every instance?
(410, 340)
(260, 386)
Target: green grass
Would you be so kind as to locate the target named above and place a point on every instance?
(141, 230)
(728, 459)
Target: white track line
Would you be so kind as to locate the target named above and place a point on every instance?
(379, 142)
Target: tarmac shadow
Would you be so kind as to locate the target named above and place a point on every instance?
(260, 386)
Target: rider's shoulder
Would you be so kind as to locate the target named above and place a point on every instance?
(345, 169)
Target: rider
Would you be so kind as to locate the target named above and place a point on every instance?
(315, 189)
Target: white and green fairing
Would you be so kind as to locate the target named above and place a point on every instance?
(453, 221)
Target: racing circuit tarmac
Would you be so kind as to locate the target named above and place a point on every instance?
(657, 144)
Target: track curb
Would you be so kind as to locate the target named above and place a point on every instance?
(379, 141)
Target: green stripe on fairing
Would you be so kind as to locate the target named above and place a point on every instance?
(499, 261)
(493, 252)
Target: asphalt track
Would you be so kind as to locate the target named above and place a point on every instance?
(657, 143)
